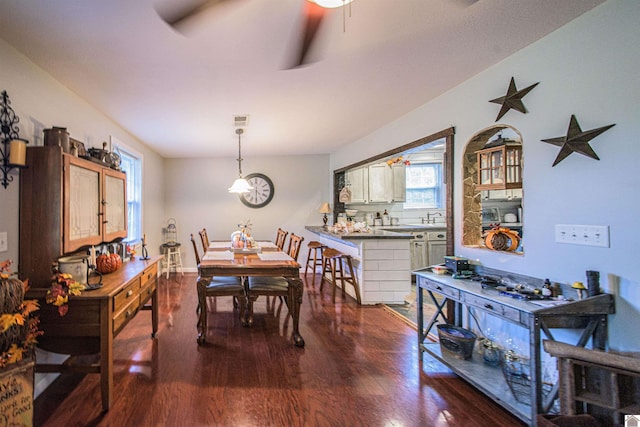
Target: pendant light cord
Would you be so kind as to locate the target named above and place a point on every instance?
(239, 132)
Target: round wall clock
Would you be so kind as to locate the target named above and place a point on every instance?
(262, 191)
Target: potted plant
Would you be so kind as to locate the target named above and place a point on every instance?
(18, 328)
(18, 333)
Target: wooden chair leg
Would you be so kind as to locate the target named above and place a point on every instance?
(354, 279)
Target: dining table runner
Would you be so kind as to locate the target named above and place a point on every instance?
(274, 256)
(218, 256)
(219, 244)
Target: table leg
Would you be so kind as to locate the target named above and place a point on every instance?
(202, 308)
(295, 301)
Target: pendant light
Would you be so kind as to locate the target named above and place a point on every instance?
(240, 185)
(332, 3)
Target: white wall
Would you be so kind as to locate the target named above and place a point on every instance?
(197, 197)
(588, 68)
(40, 102)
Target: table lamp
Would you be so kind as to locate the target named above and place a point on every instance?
(325, 209)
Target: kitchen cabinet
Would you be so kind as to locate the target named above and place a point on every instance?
(399, 182)
(588, 317)
(513, 194)
(358, 181)
(66, 204)
(436, 247)
(419, 254)
(378, 183)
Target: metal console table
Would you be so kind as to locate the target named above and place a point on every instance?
(588, 316)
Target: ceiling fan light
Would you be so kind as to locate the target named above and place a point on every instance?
(330, 4)
(240, 185)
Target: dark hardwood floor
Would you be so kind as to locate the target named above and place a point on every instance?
(359, 368)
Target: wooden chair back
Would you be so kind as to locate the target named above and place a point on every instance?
(295, 242)
(195, 249)
(281, 237)
(204, 238)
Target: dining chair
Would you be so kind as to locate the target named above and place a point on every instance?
(204, 238)
(222, 286)
(272, 286)
(281, 237)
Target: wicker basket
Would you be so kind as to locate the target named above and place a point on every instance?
(517, 375)
(456, 342)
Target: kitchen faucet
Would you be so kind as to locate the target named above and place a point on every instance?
(430, 219)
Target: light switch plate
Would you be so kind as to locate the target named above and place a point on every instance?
(587, 235)
(3, 242)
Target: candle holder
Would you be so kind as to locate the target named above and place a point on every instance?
(145, 252)
(13, 150)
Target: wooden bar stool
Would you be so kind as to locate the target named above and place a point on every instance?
(334, 263)
(317, 249)
(172, 258)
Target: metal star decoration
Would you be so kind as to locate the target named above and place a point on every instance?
(513, 99)
(576, 141)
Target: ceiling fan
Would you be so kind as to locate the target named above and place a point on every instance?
(313, 14)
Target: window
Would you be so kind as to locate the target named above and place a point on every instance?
(424, 186)
(132, 165)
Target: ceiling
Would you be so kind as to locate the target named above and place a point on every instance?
(373, 62)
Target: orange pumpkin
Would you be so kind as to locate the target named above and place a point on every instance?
(108, 263)
(501, 239)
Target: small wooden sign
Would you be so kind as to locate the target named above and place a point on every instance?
(16, 395)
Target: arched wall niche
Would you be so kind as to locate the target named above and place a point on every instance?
(473, 198)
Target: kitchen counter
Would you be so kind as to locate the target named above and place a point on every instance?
(379, 232)
(381, 259)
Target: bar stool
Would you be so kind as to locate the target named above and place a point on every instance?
(171, 248)
(172, 257)
(317, 249)
(334, 263)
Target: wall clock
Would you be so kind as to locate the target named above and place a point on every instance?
(262, 191)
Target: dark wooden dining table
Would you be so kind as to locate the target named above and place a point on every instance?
(248, 264)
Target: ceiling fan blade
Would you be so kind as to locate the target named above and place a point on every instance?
(179, 19)
(313, 15)
(465, 3)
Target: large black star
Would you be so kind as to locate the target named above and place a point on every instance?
(576, 140)
(513, 99)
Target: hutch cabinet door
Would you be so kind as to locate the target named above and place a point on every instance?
(115, 205)
(82, 195)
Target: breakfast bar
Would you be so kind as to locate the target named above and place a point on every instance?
(381, 259)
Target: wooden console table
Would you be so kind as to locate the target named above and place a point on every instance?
(95, 318)
(589, 316)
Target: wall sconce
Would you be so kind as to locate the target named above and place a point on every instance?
(325, 209)
(14, 149)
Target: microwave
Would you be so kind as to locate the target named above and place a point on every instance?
(490, 215)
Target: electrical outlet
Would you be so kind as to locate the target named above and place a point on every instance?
(3, 242)
(587, 235)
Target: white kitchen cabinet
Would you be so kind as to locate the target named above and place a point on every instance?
(379, 183)
(399, 182)
(358, 181)
(436, 247)
(419, 256)
(512, 194)
(387, 184)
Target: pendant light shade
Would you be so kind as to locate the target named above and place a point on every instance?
(240, 185)
(332, 3)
